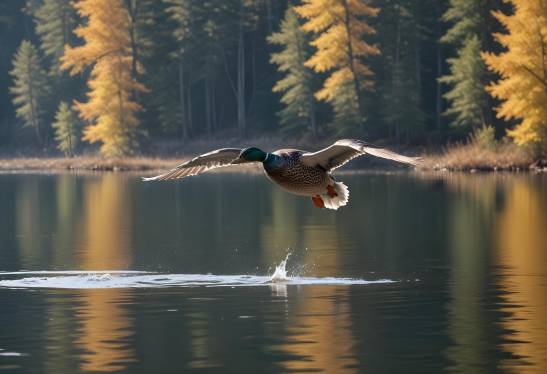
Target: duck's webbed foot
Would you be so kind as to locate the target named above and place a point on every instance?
(331, 191)
(318, 201)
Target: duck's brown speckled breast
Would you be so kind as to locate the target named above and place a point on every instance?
(295, 177)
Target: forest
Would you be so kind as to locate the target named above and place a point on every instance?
(114, 76)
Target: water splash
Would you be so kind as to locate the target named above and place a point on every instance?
(129, 279)
(280, 273)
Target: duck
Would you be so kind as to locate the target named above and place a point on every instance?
(298, 172)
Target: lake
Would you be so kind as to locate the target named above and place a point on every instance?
(419, 273)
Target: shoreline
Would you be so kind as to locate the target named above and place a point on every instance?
(149, 165)
(87, 163)
(469, 157)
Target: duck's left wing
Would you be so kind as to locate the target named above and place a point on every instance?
(345, 150)
(200, 164)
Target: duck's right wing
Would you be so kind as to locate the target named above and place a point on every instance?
(345, 150)
(200, 164)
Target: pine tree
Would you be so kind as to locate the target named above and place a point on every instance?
(235, 20)
(206, 32)
(468, 101)
(467, 97)
(400, 36)
(298, 84)
(341, 47)
(523, 70)
(161, 103)
(66, 129)
(29, 88)
(214, 34)
(111, 110)
(183, 14)
(55, 20)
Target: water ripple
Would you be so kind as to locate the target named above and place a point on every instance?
(132, 279)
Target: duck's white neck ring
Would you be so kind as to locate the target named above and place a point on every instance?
(266, 158)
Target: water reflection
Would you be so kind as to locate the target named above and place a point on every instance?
(477, 244)
(104, 330)
(469, 253)
(104, 324)
(29, 221)
(320, 334)
(106, 242)
(521, 236)
(498, 267)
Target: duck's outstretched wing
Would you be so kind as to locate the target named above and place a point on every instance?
(200, 164)
(346, 149)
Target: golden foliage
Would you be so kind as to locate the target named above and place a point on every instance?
(340, 43)
(523, 71)
(110, 109)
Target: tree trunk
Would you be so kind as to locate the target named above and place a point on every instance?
(189, 122)
(208, 107)
(397, 83)
(253, 75)
(182, 104)
(241, 76)
(418, 63)
(131, 6)
(32, 98)
(438, 92)
(313, 121)
(356, 82)
(214, 105)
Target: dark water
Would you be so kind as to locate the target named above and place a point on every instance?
(468, 254)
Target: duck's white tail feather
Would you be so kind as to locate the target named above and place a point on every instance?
(337, 201)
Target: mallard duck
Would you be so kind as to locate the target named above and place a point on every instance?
(298, 172)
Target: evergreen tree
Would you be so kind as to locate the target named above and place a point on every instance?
(239, 18)
(55, 20)
(400, 37)
(467, 97)
(210, 35)
(210, 56)
(523, 70)
(341, 47)
(111, 110)
(298, 84)
(182, 13)
(468, 101)
(29, 87)
(66, 129)
(161, 103)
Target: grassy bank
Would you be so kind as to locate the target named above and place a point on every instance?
(86, 163)
(165, 155)
(472, 157)
(157, 156)
(462, 157)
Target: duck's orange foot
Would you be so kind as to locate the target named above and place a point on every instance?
(331, 191)
(318, 201)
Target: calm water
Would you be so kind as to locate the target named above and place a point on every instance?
(467, 257)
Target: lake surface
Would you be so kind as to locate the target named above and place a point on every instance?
(105, 273)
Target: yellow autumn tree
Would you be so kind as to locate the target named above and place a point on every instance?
(111, 109)
(341, 28)
(523, 70)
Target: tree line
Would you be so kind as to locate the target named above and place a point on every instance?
(120, 73)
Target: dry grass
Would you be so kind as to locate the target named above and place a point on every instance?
(163, 155)
(467, 157)
(471, 157)
(87, 163)
(147, 165)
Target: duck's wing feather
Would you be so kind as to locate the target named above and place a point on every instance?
(345, 150)
(200, 164)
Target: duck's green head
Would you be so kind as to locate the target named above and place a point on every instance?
(251, 154)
